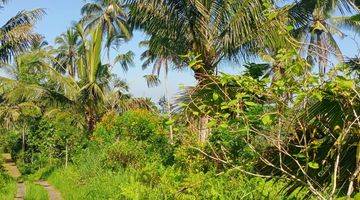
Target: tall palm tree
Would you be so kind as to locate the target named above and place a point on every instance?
(15, 111)
(111, 16)
(314, 28)
(16, 116)
(159, 63)
(94, 78)
(17, 35)
(68, 51)
(215, 30)
(94, 92)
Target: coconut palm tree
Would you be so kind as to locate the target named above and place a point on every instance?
(111, 16)
(159, 63)
(314, 27)
(68, 51)
(17, 35)
(15, 111)
(16, 116)
(214, 30)
(93, 93)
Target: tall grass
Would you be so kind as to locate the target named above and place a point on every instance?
(157, 182)
(7, 187)
(35, 192)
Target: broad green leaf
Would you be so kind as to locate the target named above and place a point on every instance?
(313, 165)
(224, 125)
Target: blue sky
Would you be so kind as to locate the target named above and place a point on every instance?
(62, 13)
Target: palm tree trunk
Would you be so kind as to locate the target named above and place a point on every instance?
(90, 119)
(171, 132)
(201, 76)
(204, 131)
(321, 55)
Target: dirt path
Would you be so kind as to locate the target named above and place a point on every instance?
(14, 172)
(21, 191)
(54, 194)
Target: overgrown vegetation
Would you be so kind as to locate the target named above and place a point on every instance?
(35, 192)
(287, 127)
(8, 187)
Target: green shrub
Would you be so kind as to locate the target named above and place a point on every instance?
(230, 146)
(125, 154)
(190, 159)
(106, 131)
(140, 125)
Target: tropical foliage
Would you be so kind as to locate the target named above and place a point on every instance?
(285, 127)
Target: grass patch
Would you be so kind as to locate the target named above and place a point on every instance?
(67, 181)
(7, 187)
(167, 183)
(35, 192)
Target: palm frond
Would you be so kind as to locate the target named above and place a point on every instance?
(152, 80)
(125, 60)
(16, 35)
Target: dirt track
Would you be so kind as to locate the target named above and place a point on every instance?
(13, 171)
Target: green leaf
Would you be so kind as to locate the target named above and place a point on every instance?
(299, 155)
(169, 122)
(289, 28)
(183, 104)
(224, 125)
(249, 103)
(224, 107)
(215, 96)
(266, 119)
(211, 123)
(202, 107)
(226, 115)
(313, 165)
(272, 15)
(240, 96)
(345, 84)
(318, 96)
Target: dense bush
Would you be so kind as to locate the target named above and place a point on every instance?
(125, 153)
(155, 181)
(142, 126)
(47, 141)
(124, 163)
